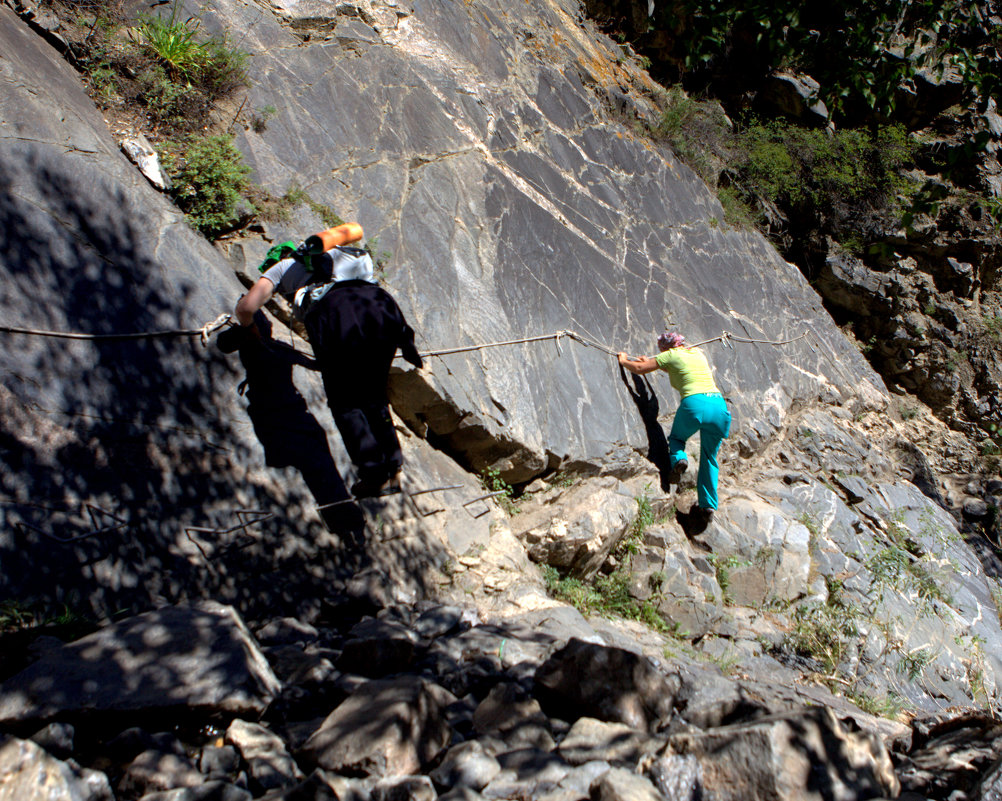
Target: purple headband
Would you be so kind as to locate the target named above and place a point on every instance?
(669, 340)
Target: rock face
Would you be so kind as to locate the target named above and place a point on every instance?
(529, 209)
(592, 229)
(492, 154)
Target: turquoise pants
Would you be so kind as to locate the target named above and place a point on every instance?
(706, 413)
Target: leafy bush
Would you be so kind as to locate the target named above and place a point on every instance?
(698, 132)
(779, 167)
(212, 65)
(171, 105)
(259, 118)
(991, 328)
(608, 596)
(225, 67)
(790, 165)
(825, 631)
(210, 181)
(493, 482)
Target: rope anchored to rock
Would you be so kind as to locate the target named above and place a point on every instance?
(727, 337)
(557, 336)
(222, 320)
(203, 333)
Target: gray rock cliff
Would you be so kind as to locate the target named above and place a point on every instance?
(494, 156)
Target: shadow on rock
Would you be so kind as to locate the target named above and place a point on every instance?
(289, 433)
(647, 403)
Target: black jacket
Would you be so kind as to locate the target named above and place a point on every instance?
(355, 330)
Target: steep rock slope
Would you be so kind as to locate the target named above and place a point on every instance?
(488, 153)
(513, 205)
(132, 471)
(477, 144)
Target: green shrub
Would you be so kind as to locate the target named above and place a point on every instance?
(493, 482)
(767, 164)
(210, 181)
(991, 327)
(15, 615)
(860, 53)
(259, 118)
(172, 42)
(608, 596)
(788, 165)
(913, 663)
(889, 706)
(698, 132)
(644, 520)
(737, 212)
(103, 79)
(781, 165)
(171, 105)
(212, 64)
(825, 631)
(224, 69)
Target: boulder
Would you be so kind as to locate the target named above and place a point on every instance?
(218, 762)
(794, 96)
(155, 771)
(466, 765)
(210, 791)
(527, 773)
(286, 631)
(619, 784)
(322, 786)
(264, 752)
(681, 585)
(706, 698)
(805, 756)
(56, 738)
(28, 773)
(610, 684)
(377, 648)
(511, 714)
(176, 657)
(591, 740)
(764, 555)
(404, 788)
(144, 156)
(388, 727)
(579, 540)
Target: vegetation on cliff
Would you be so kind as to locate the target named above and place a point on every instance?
(864, 142)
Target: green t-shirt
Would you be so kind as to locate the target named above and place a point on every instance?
(688, 370)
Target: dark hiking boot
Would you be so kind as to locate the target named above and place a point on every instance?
(695, 521)
(374, 487)
(366, 488)
(676, 473)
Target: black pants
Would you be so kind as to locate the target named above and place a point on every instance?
(370, 439)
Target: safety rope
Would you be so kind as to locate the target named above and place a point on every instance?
(727, 336)
(225, 319)
(558, 335)
(204, 332)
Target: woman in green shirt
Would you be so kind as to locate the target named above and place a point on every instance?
(702, 408)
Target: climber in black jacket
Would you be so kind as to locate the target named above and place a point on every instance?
(355, 328)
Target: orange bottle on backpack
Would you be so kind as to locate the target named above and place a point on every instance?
(332, 237)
